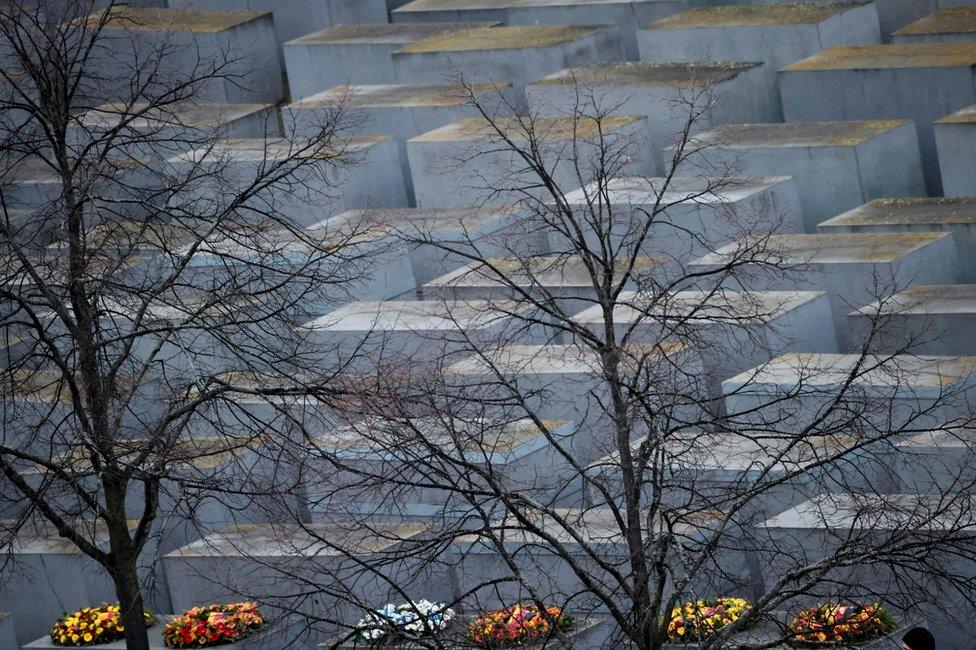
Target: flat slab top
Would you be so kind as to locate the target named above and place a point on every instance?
(190, 20)
(396, 95)
(959, 434)
(918, 211)
(964, 116)
(794, 134)
(377, 437)
(415, 222)
(38, 537)
(644, 73)
(839, 248)
(748, 15)
(259, 149)
(699, 308)
(865, 512)
(952, 20)
(501, 38)
(289, 540)
(903, 374)
(142, 116)
(897, 55)
(927, 300)
(382, 33)
(543, 128)
(552, 359)
(414, 315)
(476, 5)
(542, 271)
(638, 190)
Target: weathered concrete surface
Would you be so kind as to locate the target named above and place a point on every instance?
(955, 138)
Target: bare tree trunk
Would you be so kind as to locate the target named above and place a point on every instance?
(132, 606)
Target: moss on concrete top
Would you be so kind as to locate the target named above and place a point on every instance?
(953, 20)
(672, 74)
(391, 96)
(475, 5)
(931, 299)
(964, 116)
(392, 33)
(918, 211)
(747, 15)
(899, 55)
(795, 134)
(191, 20)
(502, 38)
(543, 128)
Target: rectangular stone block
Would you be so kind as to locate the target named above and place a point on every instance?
(955, 138)
(701, 216)
(776, 35)
(355, 173)
(420, 333)
(400, 111)
(49, 576)
(566, 382)
(516, 55)
(564, 279)
(629, 15)
(911, 390)
(8, 638)
(354, 54)
(849, 266)
(274, 562)
(658, 91)
(892, 14)
(817, 529)
(437, 241)
(735, 330)
(366, 262)
(713, 470)
(588, 537)
(352, 461)
(927, 319)
(945, 25)
(295, 18)
(916, 215)
(191, 38)
(469, 163)
(835, 166)
(915, 81)
(937, 461)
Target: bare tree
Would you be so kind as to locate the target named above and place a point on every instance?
(152, 282)
(689, 437)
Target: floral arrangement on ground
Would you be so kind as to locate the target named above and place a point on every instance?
(517, 625)
(697, 620)
(836, 624)
(92, 626)
(202, 627)
(415, 620)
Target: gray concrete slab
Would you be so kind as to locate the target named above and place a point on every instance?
(630, 15)
(469, 163)
(955, 138)
(892, 14)
(663, 92)
(815, 530)
(359, 172)
(702, 216)
(354, 54)
(795, 390)
(946, 25)
(916, 81)
(953, 215)
(295, 18)
(777, 35)
(835, 166)
(8, 638)
(926, 319)
(271, 562)
(191, 38)
(440, 240)
(849, 266)
(515, 55)
(936, 461)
